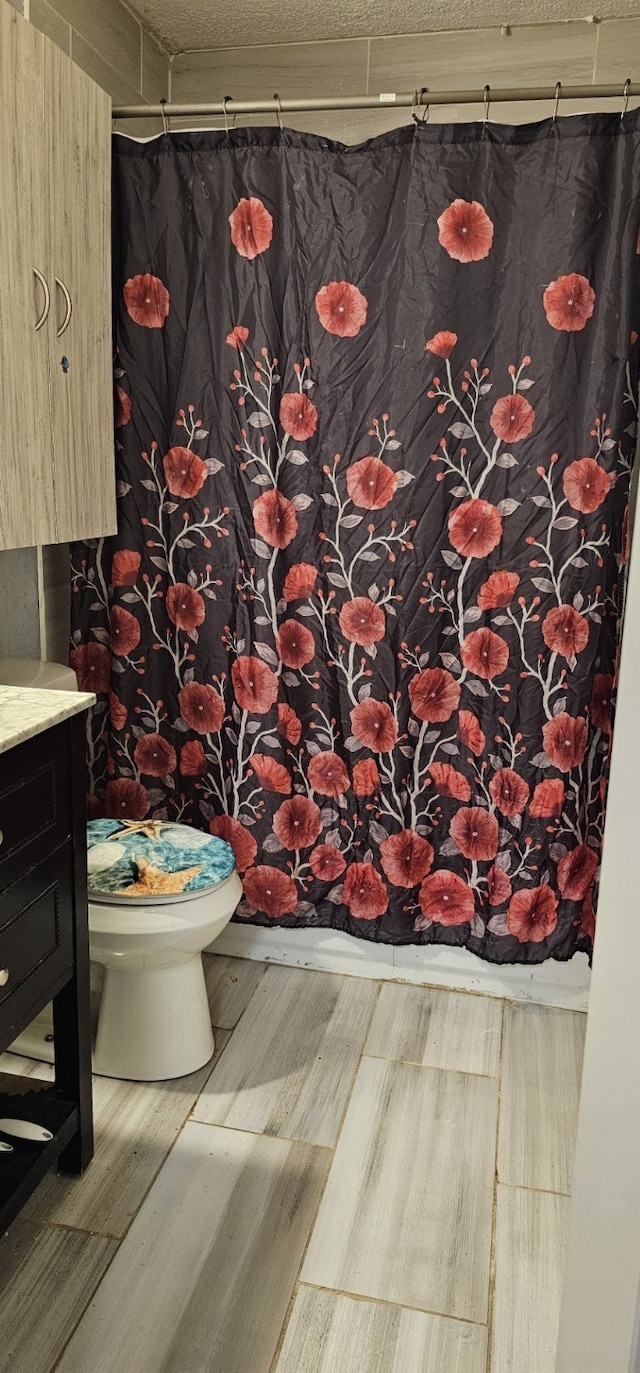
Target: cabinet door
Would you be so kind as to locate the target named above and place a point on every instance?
(78, 116)
(26, 459)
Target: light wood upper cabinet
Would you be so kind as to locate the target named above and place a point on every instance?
(26, 454)
(57, 475)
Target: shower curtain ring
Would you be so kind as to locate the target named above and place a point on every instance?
(417, 104)
(558, 94)
(625, 98)
(225, 98)
(278, 108)
(487, 104)
(165, 121)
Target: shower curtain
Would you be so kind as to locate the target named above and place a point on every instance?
(376, 416)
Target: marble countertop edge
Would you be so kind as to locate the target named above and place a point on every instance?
(27, 711)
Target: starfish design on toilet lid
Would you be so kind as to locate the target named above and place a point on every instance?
(153, 860)
(152, 828)
(154, 882)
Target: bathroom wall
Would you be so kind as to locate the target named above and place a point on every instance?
(108, 42)
(581, 51)
(600, 1318)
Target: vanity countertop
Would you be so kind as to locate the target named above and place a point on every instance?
(25, 711)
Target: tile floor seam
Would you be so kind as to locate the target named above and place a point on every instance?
(45, 1224)
(437, 1067)
(298, 1280)
(494, 1208)
(259, 1134)
(230, 1030)
(85, 1308)
(394, 1305)
(273, 1366)
(421, 1070)
(524, 1187)
(374, 992)
(217, 1058)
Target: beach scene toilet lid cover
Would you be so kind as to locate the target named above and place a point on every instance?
(153, 861)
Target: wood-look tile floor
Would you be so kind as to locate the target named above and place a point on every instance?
(365, 1179)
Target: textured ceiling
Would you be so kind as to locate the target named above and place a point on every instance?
(218, 24)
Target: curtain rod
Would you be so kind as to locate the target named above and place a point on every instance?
(403, 100)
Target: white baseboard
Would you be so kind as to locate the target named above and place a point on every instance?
(547, 984)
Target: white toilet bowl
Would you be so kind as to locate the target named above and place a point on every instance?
(154, 1020)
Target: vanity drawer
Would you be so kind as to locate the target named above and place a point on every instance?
(35, 802)
(36, 933)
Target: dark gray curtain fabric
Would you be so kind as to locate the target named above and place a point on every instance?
(376, 414)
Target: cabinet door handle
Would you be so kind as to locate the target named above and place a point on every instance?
(68, 307)
(4, 976)
(47, 299)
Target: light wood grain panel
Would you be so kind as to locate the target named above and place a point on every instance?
(531, 1229)
(291, 1062)
(437, 1028)
(618, 50)
(406, 1215)
(48, 21)
(542, 1065)
(26, 468)
(254, 73)
(530, 55)
(136, 1124)
(331, 1333)
(155, 70)
(231, 983)
(79, 180)
(221, 1235)
(110, 28)
(110, 79)
(47, 1277)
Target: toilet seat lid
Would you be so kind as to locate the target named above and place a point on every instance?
(153, 861)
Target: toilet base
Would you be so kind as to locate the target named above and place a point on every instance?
(154, 1023)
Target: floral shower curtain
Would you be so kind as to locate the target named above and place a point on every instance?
(376, 415)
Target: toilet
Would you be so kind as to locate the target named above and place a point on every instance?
(159, 894)
(153, 1019)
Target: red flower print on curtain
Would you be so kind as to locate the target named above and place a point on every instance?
(585, 485)
(532, 915)
(446, 900)
(275, 519)
(251, 228)
(146, 300)
(193, 761)
(185, 473)
(569, 302)
(465, 231)
(342, 308)
(442, 344)
(123, 408)
(125, 567)
(238, 836)
(361, 619)
(475, 528)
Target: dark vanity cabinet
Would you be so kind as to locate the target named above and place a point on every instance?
(44, 951)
